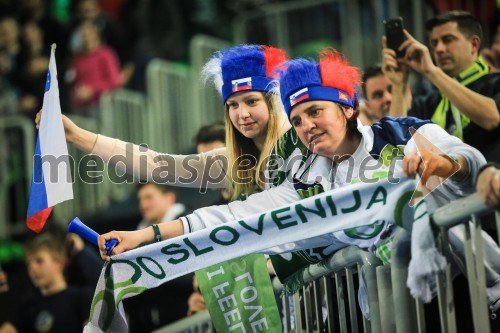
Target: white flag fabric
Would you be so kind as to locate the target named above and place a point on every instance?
(51, 182)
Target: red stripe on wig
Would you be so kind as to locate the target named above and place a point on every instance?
(336, 72)
(273, 58)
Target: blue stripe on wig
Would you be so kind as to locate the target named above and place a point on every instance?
(244, 61)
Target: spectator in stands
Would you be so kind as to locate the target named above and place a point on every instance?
(54, 32)
(31, 72)
(322, 140)
(492, 55)
(208, 138)
(326, 120)
(157, 204)
(110, 30)
(95, 70)
(53, 306)
(196, 302)
(468, 100)
(83, 266)
(488, 184)
(167, 303)
(255, 123)
(10, 46)
(8, 98)
(377, 92)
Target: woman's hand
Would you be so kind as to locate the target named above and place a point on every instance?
(81, 138)
(427, 163)
(70, 128)
(127, 240)
(488, 186)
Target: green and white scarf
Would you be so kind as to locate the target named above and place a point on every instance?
(478, 69)
(135, 271)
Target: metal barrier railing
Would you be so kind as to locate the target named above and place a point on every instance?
(446, 218)
(124, 114)
(17, 138)
(87, 195)
(206, 104)
(391, 307)
(168, 87)
(344, 264)
(197, 323)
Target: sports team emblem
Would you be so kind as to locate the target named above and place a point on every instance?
(343, 97)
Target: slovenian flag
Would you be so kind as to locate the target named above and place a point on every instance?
(51, 182)
(242, 84)
(299, 96)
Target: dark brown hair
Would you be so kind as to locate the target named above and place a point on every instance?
(467, 24)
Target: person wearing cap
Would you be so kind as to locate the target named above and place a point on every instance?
(466, 101)
(256, 128)
(320, 100)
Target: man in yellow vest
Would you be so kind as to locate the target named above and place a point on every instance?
(466, 102)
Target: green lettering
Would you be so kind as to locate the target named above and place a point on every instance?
(260, 225)
(331, 204)
(160, 275)
(233, 232)
(278, 220)
(357, 203)
(375, 198)
(301, 209)
(166, 250)
(195, 249)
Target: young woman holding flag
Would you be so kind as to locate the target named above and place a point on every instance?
(256, 128)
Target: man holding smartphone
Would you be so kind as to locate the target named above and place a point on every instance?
(467, 103)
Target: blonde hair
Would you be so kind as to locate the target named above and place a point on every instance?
(239, 147)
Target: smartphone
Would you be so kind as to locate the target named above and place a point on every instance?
(394, 34)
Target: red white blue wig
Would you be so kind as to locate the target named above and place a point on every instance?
(332, 79)
(243, 68)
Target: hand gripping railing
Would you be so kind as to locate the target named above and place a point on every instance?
(449, 216)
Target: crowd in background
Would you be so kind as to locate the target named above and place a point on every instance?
(101, 45)
(104, 45)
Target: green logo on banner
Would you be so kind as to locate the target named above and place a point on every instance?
(239, 295)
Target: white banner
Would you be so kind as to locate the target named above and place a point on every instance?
(135, 271)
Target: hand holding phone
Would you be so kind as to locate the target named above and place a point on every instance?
(394, 35)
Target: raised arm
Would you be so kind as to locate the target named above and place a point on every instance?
(397, 73)
(479, 109)
(202, 218)
(207, 170)
(79, 137)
